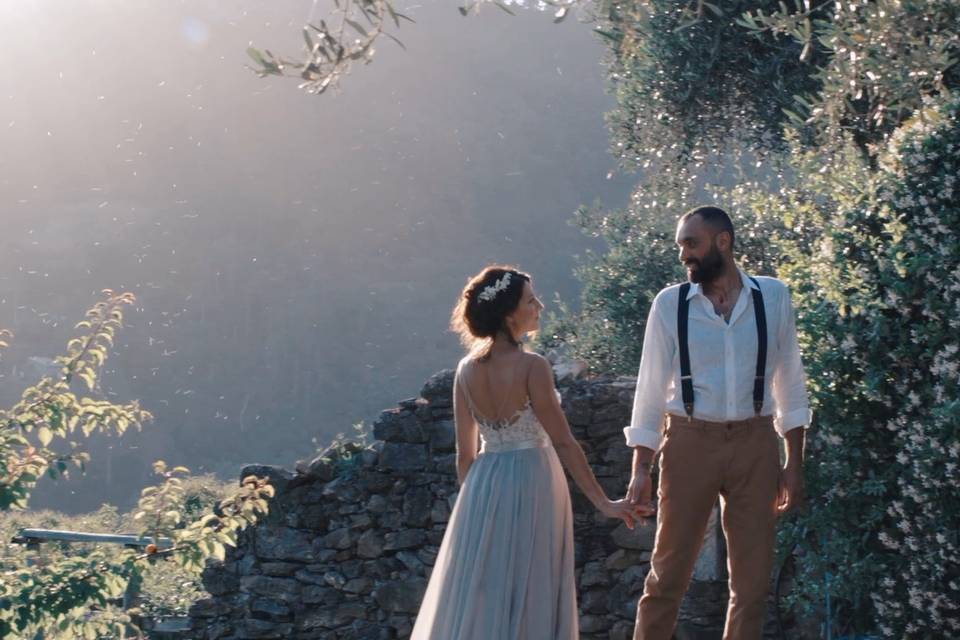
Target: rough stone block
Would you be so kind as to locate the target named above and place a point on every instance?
(439, 387)
(209, 608)
(446, 464)
(279, 569)
(711, 563)
(359, 585)
(605, 428)
(398, 425)
(593, 575)
(593, 624)
(270, 609)
(322, 595)
(320, 468)
(411, 562)
(406, 539)
(417, 504)
(283, 543)
(308, 576)
(593, 601)
(440, 512)
(315, 517)
(640, 538)
(253, 629)
(283, 588)
(219, 582)
(338, 539)
(403, 457)
(443, 436)
(622, 559)
(567, 371)
(401, 596)
(622, 630)
(375, 482)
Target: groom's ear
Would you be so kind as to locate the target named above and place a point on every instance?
(724, 241)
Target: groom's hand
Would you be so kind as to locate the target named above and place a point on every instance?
(790, 494)
(639, 493)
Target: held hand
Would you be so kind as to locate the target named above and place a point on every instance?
(790, 491)
(622, 509)
(639, 494)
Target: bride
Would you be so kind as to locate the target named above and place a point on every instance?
(505, 568)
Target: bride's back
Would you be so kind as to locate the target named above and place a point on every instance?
(496, 386)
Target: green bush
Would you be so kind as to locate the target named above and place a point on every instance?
(850, 105)
(879, 297)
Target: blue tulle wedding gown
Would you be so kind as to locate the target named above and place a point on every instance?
(505, 568)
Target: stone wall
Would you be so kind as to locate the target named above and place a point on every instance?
(350, 541)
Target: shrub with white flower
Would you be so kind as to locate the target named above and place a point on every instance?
(878, 298)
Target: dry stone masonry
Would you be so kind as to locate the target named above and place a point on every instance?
(348, 546)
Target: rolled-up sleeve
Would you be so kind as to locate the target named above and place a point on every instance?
(653, 379)
(789, 386)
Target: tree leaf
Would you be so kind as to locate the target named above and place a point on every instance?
(44, 435)
(357, 26)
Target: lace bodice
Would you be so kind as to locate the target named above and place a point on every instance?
(521, 431)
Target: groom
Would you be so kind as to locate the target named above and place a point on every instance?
(721, 362)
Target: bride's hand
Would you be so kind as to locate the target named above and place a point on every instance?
(622, 509)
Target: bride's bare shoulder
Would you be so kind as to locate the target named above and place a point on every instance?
(536, 364)
(534, 358)
(465, 362)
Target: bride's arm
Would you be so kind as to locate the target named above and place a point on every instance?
(543, 397)
(466, 431)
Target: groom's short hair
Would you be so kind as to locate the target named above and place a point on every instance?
(716, 217)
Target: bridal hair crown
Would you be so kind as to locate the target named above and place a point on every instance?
(489, 293)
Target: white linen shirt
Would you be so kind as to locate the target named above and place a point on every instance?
(723, 361)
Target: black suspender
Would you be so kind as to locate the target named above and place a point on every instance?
(686, 379)
(761, 315)
(683, 321)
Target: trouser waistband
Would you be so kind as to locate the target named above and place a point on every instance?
(755, 421)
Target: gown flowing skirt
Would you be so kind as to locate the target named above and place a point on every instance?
(505, 569)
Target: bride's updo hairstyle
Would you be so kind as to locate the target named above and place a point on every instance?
(486, 301)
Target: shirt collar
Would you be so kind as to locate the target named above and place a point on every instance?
(696, 289)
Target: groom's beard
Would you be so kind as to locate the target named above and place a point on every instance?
(708, 269)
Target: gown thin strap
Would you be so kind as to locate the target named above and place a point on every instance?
(503, 401)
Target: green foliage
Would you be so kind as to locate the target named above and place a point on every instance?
(691, 76)
(66, 594)
(50, 410)
(879, 297)
(861, 221)
(167, 588)
(159, 512)
(686, 75)
(331, 49)
(873, 269)
(879, 60)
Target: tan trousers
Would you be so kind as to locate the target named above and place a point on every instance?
(699, 460)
